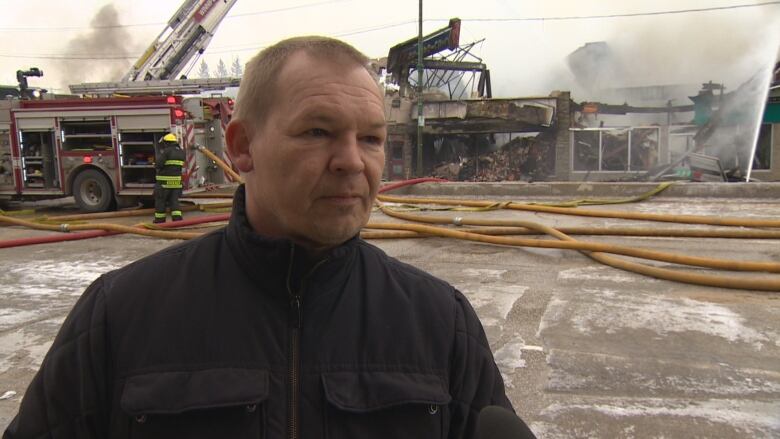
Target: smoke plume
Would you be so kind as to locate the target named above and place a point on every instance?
(672, 59)
(686, 50)
(105, 39)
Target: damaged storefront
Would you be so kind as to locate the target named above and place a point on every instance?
(478, 140)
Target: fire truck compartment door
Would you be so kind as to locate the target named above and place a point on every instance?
(35, 123)
(144, 122)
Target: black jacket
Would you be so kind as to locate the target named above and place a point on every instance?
(235, 335)
(170, 160)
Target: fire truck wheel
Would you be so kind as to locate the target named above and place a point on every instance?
(92, 191)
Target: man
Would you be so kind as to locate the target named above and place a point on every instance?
(167, 189)
(284, 324)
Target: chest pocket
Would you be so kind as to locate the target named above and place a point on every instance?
(385, 405)
(213, 403)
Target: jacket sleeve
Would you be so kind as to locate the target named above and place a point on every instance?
(160, 158)
(475, 381)
(67, 398)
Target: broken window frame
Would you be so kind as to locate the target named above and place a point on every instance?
(690, 143)
(573, 144)
(600, 130)
(602, 159)
(769, 146)
(657, 130)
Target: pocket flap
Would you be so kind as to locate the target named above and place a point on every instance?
(367, 391)
(180, 391)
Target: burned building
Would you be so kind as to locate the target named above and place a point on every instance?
(469, 136)
(478, 140)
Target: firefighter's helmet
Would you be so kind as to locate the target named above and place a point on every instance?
(170, 137)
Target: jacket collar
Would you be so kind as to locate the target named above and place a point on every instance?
(269, 261)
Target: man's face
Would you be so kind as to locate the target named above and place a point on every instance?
(317, 159)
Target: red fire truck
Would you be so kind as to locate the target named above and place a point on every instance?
(100, 150)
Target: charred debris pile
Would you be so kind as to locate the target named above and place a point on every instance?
(524, 158)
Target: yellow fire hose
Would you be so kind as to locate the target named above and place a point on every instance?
(683, 219)
(137, 230)
(220, 163)
(760, 283)
(592, 231)
(515, 227)
(58, 219)
(572, 244)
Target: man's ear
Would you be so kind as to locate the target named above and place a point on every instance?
(239, 145)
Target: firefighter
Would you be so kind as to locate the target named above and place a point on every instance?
(169, 164)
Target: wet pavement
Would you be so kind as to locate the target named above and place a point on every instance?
(586, 350)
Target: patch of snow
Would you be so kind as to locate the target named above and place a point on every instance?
(484, 273)
(13, 316)
(554, 313)
(510, 356)
(495, 300)
(602, 309)
(602, 273)
(507, 380)
(22, 349)
(52, 277)
(748, 415)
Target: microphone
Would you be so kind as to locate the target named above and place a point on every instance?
(496, 422)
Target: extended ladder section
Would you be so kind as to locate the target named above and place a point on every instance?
(164, 87)
(188, 33)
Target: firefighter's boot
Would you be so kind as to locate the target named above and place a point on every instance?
(159, 218)
(176, 215)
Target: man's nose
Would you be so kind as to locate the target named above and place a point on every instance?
(347, 156)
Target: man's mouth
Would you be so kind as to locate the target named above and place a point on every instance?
(343, 199)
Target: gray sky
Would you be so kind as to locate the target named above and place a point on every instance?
(525, 57)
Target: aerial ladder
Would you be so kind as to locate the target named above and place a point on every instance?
(186, 35)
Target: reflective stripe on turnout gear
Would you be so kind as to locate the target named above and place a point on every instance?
(159, 215)
(171, 186)
(169, 178)
(174, 163)
(176, 213)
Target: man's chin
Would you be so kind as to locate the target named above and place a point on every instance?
(334, 235)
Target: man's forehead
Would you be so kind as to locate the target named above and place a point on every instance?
(332, 114)
(307, 64)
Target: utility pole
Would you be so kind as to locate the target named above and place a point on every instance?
(420, 117)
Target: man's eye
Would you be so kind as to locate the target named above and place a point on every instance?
(317, 132)
(373, 140)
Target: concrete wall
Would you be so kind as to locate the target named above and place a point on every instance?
(579, 190)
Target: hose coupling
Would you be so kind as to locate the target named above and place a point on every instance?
(65, 228)
(458, 221)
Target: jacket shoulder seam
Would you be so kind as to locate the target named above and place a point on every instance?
(479, 341)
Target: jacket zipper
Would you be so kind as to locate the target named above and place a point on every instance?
(296, 321)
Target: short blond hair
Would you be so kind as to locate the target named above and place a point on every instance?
(258, 85)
